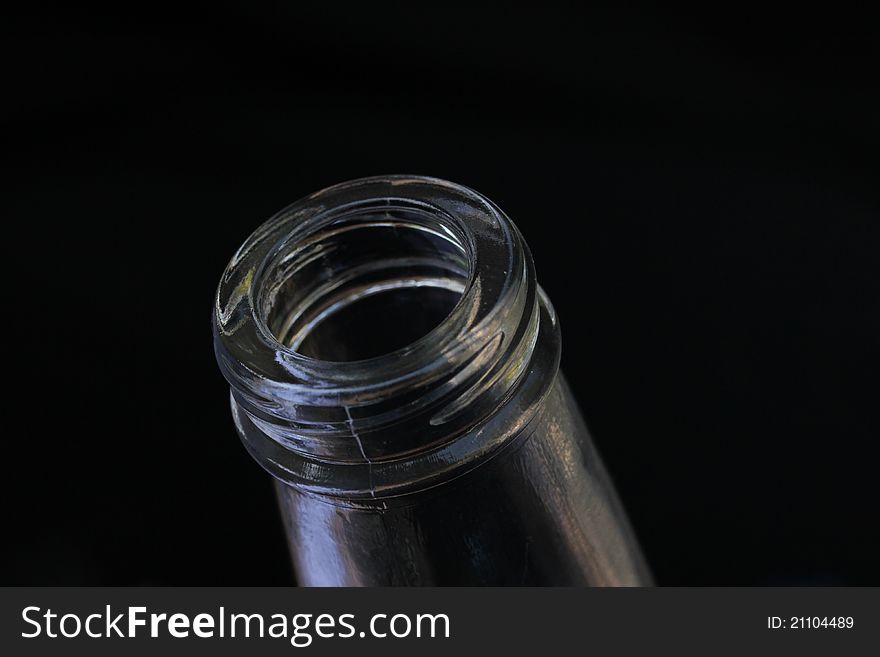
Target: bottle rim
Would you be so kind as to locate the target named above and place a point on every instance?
(412, 401)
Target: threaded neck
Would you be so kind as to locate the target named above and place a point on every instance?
(373, 324)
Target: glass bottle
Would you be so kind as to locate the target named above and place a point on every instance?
(394, 364)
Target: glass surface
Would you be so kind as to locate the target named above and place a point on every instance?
(394, 365)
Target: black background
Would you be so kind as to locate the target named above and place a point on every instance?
(700, 194)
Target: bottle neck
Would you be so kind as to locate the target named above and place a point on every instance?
(315, 403)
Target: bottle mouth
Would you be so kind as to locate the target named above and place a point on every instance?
(373, 322)
(373, 281)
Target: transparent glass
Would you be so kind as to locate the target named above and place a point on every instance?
(394, 365)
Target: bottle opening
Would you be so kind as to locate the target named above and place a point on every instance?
(367, 328)
(371, 283)
(364, 328)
